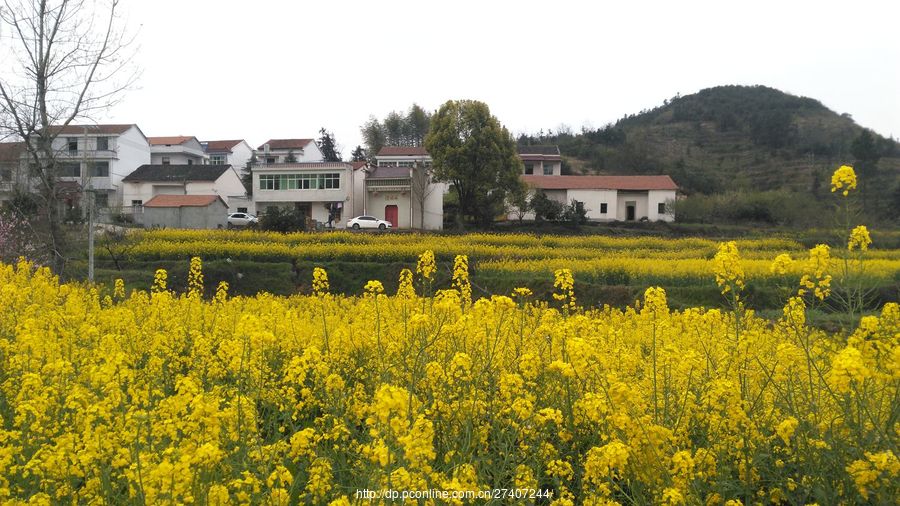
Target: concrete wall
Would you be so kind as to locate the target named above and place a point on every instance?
(311, 153)
(592, 200)
(358, 199)
(213, 216)
(434, 208)
(239, 156)
(657, 197)
(265, 197)
(175, 158)
(538, 167)
(640, 201)
(241, 202)
(378, 201)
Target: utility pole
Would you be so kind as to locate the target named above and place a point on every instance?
(91, 237)
(88, 199)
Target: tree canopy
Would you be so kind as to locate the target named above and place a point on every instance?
(328, 146)
(397, 129)
(476, 154)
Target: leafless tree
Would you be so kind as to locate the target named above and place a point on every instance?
(63, 61)
(421, 186)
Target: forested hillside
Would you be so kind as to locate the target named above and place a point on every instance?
(758, 146)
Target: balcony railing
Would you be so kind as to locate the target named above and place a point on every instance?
(387, 184)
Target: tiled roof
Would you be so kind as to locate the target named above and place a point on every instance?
(358, 165)
(166, 141)
(177, 173)
(91, 129)
(285, 144)
(182, 201)
(402, 151)
(539, 150)
(389, 173)
(601, 182)
(221, 146)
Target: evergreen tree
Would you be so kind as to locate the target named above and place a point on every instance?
(328, 146)
(358, 154)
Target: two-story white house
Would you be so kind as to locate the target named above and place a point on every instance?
(276, 151)
(234, 152)
(177, 150)
(318, 189)
(148, 181)
(98, 157)
(400, 189)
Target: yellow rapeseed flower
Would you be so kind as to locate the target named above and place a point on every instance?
(843, 179)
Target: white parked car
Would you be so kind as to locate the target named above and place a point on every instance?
(368, 222)
(241, 220)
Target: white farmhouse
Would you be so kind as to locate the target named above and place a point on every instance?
(148, 181)
(610, 198)
(97, 157)
(276, 151)
(400, 189)
(177, 150)
(318, 189)
(235, 153)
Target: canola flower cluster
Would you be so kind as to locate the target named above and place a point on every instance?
(165, 398)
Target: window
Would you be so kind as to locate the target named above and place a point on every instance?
(271, 159)
(102, 143)
(661, 208)
(72, 143)
(137, 206)
(70, 170)
(548, 169)
(242, 209)
(386, 164)
(100, 169)
(166, 160)
(190, 161)
(5, 174)
(101, 200)
(267, 182)
(529, 168)
(217, 159)
(404, 164)
(330, 181)
(603, 208)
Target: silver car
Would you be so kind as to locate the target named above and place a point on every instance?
(368, 222)
(241, 220)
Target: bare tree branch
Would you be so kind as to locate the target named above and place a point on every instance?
(69, 61)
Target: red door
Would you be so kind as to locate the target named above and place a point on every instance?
(390, 214)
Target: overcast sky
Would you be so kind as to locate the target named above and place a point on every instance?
(223, 69)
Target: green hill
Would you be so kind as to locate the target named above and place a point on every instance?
(746, 139)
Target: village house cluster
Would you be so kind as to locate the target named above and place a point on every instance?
(183, 182)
